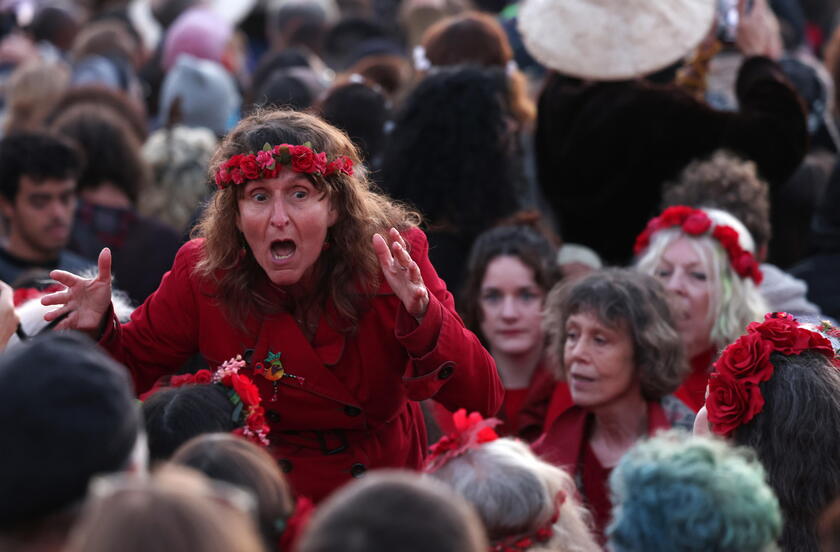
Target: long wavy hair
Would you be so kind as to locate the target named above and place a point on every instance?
(345, 270)
(734, 301)
(796, 436)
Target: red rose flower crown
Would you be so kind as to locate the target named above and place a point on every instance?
(269, 162)
(242, 393)
(734, 394)
(696, 222)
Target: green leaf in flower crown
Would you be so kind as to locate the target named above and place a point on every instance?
(284, 156)
(266, 147)
(308, 144)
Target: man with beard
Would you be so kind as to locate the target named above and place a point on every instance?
(38, 173)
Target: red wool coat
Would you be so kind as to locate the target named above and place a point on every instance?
(347, 402)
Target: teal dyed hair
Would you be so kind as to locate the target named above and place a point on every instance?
(682, 493)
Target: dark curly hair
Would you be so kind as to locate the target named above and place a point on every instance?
(728, 182)
(450, 151)
(796, 436)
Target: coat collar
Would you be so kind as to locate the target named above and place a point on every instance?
(562, 444)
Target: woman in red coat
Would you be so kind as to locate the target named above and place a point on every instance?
(325, 289)
(615, 345)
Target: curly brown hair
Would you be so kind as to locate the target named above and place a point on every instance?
(622, 298)
(725, 181)
(347, 264)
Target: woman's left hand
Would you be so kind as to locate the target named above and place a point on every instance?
(402, 273)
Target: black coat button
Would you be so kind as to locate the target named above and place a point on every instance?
(285, 465)
(446, 372)
(272, 416)
(352, 411)
(357, 470)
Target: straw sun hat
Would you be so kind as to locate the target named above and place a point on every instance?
(613, 39)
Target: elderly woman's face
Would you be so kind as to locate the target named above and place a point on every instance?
(511, 307)
(285, 222)
(599, 361)
(685, 277)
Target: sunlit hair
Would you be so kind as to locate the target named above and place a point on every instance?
(624, 300)
(681, 493)
(514, 493)
(796, 437)
(177, 509)
(519, 241)
(734, 301)
(478, 38)
(347, 263)
(32, 91)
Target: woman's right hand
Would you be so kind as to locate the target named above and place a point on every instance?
(85, 300)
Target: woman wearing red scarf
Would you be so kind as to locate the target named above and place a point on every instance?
(704, 258)
(614, 343)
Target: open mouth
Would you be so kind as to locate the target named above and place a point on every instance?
(282, 249)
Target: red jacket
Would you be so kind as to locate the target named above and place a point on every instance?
(346, 403)
(566, 444)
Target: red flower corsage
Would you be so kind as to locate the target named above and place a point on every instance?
(734, 394)
(470, 432)
(242, 393)
(696, 222)
(270, 161)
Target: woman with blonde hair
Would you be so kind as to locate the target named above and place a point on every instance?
(705, 258)
(318, 288)
(523, 502)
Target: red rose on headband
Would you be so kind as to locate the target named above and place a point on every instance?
(747, 359)
(303, 159)
(731, 403)
(246, 389)
(250, 168)
(265, 159)
(697, 223)
(203, 376)
(676, 215)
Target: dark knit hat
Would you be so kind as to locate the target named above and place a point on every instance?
(67, 412)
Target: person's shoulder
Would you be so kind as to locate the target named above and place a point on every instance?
(191, 252)
(416, 239)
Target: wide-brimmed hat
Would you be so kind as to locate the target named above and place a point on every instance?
(613, 39)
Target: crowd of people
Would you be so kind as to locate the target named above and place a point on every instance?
(451, 275)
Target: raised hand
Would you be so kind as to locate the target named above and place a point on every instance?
(402, 273)
(85, 300)
(8, 317)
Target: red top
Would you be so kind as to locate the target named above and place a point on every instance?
(692, 392)
(522, 412)
(596, 489)
(566, 444)
(347, 402)
(511, 406)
